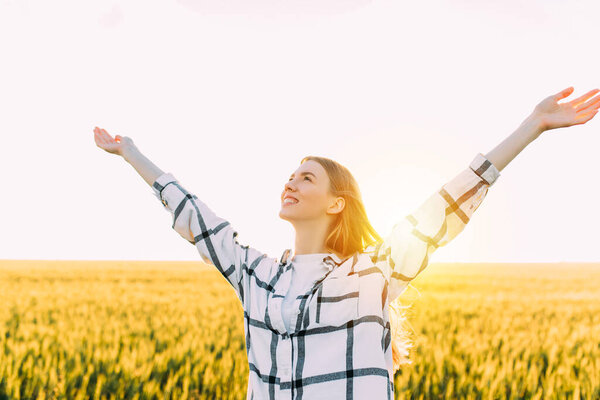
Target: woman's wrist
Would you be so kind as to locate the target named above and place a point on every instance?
(127, 152)
(146, 168)
(534, 126)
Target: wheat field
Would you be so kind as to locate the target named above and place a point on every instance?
(174, 330)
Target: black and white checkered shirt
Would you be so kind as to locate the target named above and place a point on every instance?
(340, 347)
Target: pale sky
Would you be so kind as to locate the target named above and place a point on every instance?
(229, 97)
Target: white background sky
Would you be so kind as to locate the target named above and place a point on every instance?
(229, 97)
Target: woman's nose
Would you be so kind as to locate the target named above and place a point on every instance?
(289, 186)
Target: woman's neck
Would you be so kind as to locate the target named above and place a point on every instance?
(310, 237)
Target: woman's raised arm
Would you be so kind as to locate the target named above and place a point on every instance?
(444, 214)
(213, 236)
(406, 251)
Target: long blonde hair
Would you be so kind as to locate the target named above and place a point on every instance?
(352, 232)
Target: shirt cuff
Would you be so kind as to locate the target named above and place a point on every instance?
(484, 169)
(159, 184)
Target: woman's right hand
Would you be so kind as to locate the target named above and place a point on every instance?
(114, 146)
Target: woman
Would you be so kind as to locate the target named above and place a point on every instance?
(323, 321)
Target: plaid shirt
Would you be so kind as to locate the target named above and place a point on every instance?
(340, 346)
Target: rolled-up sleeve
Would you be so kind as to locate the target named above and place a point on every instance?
(434, 223)
(213, 236)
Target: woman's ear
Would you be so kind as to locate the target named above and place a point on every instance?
(337, 206)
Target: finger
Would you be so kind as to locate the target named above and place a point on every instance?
(590, 105)
(107, 136)
(581, 99)
(96, 138)
(583, 118)
(99, 132)
(563, 93)
(107, 139)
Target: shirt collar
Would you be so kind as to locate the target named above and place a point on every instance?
(332, 260)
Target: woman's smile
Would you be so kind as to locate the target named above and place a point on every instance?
(289, 200)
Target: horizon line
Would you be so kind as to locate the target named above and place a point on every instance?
(202, 262)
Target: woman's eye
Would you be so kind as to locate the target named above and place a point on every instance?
(306, 177)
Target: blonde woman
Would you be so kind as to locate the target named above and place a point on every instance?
(323, 321)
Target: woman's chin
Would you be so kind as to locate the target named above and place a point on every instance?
(284, 215)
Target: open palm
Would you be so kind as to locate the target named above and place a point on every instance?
(112, 145)
(578, 111)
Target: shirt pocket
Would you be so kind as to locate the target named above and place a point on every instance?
(337, 301)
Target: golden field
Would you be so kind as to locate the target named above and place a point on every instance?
(174, 330)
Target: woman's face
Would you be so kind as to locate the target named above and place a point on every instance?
(309, 188)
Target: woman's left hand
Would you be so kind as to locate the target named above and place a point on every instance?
(552, 115)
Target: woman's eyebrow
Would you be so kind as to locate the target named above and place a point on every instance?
(304, 173)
